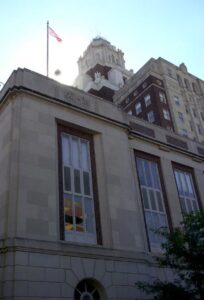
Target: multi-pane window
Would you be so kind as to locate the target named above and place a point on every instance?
(147, 100)
(166, 114)
(186, 191)
(138, 108)
(151, 117)
(78, 208)
(162, 97)
(152, 198)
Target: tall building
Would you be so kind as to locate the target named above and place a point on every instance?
(166, 95)
(83, 186)
(102, 69)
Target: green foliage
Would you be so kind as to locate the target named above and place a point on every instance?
(184, 254)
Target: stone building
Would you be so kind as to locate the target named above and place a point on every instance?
(83, 184)
(102, 69)
(166, 95)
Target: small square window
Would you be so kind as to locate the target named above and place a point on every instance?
(184, 132)
(166, 114)
(151, 117)
(138, 108)
(162, 97)
(147, 99)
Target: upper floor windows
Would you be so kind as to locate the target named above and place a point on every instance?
(77, 210)
(138, 108)
(147, 100)
(152, 199)
(186, 190)
(162, 97)
(166, 114)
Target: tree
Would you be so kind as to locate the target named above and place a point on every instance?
(184, 254)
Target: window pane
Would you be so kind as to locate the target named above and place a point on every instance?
(183, 205)
(140, 171)
(190, 185)
(75, 152)
(79, 218)
(65, 150)
(68, 212)
(159, 201)
(77, 185)
(152, 200)
(188, 203)
(89, 215)
(145, 198)
(86, 183)
(147, 172)
(155, 175)
(85, 156)
(67, 179)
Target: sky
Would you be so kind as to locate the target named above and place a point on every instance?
(142, 29)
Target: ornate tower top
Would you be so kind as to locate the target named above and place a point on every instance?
(102, 65)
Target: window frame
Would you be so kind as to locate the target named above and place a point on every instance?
(66, 129)
(153, 158)
(186, 169)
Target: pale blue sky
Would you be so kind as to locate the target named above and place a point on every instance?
(142, 29)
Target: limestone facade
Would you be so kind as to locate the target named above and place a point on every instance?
(35, 261)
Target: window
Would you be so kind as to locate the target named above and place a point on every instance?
(162, 97)
(187, 85)
(181, 118)
(152, 199)
(130, 112)
(202, 115)
(194, 112)
(88, 289)
(199, 128)
(186, 190)
(179, 80)
(191, 125)
(151, 117)
(138, 108)
(78, 201)
(166, 114)
(184, 132)
(195, 88)
(177, 101)
(147, 99)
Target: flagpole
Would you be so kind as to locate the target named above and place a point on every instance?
(47, 48)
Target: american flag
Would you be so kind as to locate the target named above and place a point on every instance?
(54, 34)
